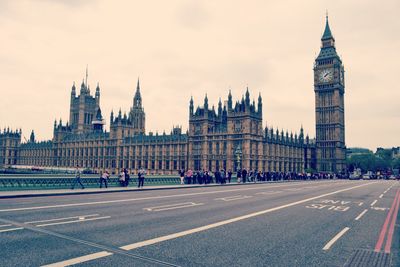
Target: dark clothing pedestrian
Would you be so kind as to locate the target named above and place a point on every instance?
(229, 176)
(127, 177)
(244, 175)
(140, 179)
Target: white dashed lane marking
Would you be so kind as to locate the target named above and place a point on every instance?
(174, 206)
(336, 238)
(361, 214)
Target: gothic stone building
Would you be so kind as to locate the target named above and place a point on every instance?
(329, 106)
(215, 138)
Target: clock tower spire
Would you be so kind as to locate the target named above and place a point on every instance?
(329, 106)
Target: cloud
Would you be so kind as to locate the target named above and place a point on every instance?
(68, 3)
(193, 15)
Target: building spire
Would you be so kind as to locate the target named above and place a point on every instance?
(137, 102)
(327, 32)
(87, 74)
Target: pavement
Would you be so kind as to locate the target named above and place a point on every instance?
(307, 223)
(79, 191)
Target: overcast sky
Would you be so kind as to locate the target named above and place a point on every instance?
(181, 48)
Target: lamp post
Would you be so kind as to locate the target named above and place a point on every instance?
(238, 156)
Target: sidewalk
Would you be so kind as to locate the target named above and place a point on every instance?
(78, 191)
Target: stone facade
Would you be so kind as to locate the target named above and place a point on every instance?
(9, 147)
(210, 142)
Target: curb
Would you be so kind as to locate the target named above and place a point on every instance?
(44, 194)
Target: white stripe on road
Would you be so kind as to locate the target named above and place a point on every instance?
(381, 196)
(68, 222)
(214, 225)
(339, 235)
(361, 214)
(269, 193)
(174, 206)
(66, 218)
(5, 225)
(11, 229)
(361, 203)
(374, 202)
(233, 198)
(80, 259)
(294, 189)
(149, 198)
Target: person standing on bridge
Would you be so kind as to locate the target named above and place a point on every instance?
(244, 175)
(141, 178)
(104, 178)
(77, 178)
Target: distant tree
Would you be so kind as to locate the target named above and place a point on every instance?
(385, 154)
(367, 162)
(396, 163)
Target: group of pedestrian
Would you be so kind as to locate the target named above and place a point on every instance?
(123, 178)
(205, 176)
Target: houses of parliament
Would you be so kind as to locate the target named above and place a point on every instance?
(228, 136)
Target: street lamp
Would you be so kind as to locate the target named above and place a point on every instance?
(238, 156)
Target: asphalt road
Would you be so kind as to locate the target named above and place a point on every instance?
(313, 223)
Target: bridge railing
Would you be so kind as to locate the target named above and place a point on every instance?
(59, 182)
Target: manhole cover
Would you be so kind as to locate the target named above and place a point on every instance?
(370, 258)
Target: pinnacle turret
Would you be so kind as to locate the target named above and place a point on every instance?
(327, 32)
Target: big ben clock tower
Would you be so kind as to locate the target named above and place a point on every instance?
(329, 106)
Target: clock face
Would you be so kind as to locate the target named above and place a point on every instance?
(326, 75)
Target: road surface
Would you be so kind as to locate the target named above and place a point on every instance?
(312, 223)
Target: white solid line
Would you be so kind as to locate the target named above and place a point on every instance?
(80, 259)
(269, 193)
(381, 196)
(293, 189)
(5, 225)
(180, 207)
(221, 223)
(339, 235)
(66, 218)
(147, 198)
(232, 198)
(85, 220)
(11, 229)
(170, 205)
(361, 214)
(374, 202)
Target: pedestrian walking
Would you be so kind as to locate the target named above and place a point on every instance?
(182, 176)
(239, 176)
(77, 178)
(122, 178)
(189, 175)
(104, 179)
(127, 177)
(229, 176)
